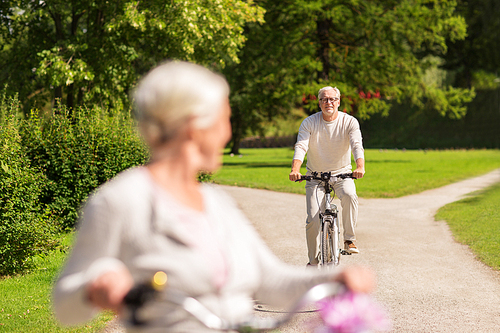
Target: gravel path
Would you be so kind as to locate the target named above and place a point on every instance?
(427, 281)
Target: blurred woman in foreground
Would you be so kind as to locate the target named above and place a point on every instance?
(158, 217)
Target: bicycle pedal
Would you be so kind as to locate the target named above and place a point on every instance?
(345, 253)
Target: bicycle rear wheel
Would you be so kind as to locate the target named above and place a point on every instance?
(327, 245)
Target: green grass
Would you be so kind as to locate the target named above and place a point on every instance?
(389, 173)
(25, 304)
(475, 221)
(25, 300)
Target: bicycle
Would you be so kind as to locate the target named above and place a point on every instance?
(330, 247)
(355, 313)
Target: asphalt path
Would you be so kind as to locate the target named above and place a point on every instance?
(427, 281)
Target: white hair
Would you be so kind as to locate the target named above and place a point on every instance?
(172, 94)
(322, 90)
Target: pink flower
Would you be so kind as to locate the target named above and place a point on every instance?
(353, 313)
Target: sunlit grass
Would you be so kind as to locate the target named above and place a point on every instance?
(25, 303)
(389, 173)
(475, 221)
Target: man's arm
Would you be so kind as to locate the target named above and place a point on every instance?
(360, 168)
(295, 173)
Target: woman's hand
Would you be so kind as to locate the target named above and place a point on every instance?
(109, 289)
(358, 279)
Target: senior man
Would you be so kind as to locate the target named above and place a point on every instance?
(328, 137)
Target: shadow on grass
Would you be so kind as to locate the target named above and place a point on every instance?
(389, 161)
(258, 165)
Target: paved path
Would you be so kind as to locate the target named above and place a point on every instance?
(428, 281)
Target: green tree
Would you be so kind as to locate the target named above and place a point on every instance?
(276, 61)
(376, 52)
(475, 60)
(93, 51)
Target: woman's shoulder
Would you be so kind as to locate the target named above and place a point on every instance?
(215, 192)
(217, 199)
(130, 184)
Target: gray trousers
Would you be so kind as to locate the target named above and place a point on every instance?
(346, 192)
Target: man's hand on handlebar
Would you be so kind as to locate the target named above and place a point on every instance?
(295, 176)
(360, 168)
(358, 173)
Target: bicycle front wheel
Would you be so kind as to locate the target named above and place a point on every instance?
(336, 246)
(327, 245)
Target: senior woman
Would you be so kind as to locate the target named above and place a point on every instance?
(158, 217)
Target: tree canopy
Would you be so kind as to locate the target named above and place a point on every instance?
(276, 54)
(375, 52)
(93, 51)
(475, 60)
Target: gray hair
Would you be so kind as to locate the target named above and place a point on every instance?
(322, 90)
(172, 94)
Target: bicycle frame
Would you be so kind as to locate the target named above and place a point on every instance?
(330, 247)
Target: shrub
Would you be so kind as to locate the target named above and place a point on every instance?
(24, 230)
(205, 177)
(78, 151)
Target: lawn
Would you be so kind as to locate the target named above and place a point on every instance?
(475, 221)
(25, 304)
(389, 173)
(25, 300)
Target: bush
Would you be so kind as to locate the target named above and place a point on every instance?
(24, 228)
(79, 151)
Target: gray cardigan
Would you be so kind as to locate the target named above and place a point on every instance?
(124, 224)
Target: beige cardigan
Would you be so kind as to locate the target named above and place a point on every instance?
(124, 223)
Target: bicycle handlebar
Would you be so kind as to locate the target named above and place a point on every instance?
(325, 176)
(143, 293)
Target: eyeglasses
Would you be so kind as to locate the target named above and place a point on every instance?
(328, 100)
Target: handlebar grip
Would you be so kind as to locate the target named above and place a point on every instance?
(304, 178)
(346, 175)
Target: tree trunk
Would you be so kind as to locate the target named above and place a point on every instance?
(237, 129)
(235, 147)
(57, 98)
(323, 32)
(70, 98)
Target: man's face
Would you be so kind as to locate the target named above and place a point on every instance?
(329, 102)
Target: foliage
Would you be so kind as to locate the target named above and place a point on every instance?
(475, 60)
(26, 299)
(25, 230)
(389, 173)
(205, 177)
(77, 153)
(373, 51)
(93, 51)
(475, 221)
